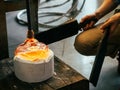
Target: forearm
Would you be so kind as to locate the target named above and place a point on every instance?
(105, 8)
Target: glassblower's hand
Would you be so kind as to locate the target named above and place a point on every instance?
(90, 19)
(113, 22)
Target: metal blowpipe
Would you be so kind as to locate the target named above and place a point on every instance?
(30, 33)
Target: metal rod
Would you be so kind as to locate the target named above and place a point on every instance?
(28, 14)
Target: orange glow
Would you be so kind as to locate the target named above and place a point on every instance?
(34, 55)
(32, 50)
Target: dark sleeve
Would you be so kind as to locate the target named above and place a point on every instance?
(118, 1)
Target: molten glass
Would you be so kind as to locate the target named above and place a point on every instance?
(33, 61)
(32, 50)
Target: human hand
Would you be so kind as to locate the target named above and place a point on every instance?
(90, 19)
(112, 22)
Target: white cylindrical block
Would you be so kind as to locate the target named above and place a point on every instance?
(32, 72)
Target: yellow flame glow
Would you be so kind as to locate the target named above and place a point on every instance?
(34, 55)
(32, 50)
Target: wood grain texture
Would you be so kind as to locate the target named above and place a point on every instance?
(65, 78)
